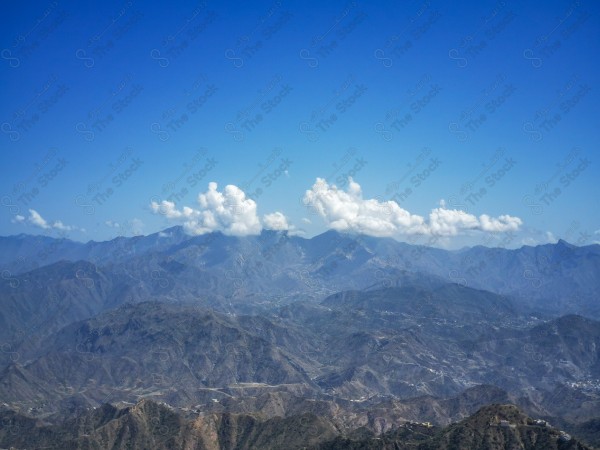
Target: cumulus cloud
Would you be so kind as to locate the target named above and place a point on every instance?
(36, 219)
(60, 226)
(349, 211)
(276, 221)
(229, 212)
(500, 225)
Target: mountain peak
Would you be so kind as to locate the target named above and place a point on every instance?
(565, 244)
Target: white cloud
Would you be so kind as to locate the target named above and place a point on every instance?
(448, 222)
(500, 225)
(349, 211)
(36, 219)
(60, 226)
(275, 221)
(228, 211)
(169, 210)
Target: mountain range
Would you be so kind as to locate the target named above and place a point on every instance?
(157, 426)
(250, 342)
(556, 278)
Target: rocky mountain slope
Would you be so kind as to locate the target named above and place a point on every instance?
(352, 334)
(151, 425)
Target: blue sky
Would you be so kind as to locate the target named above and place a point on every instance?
(491, 107)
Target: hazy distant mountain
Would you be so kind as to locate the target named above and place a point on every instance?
(553, 278)
(23, 252)
(48, 298)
